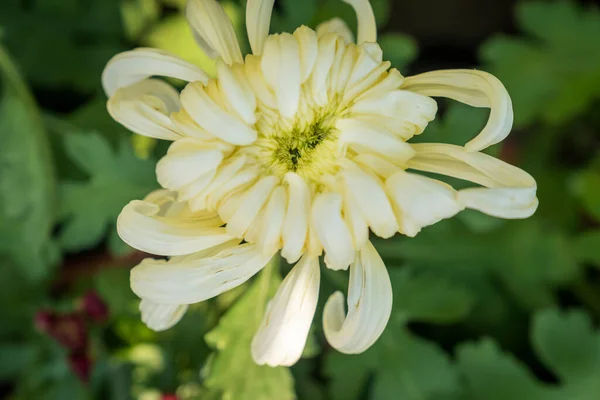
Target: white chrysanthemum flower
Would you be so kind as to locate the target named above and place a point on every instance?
(301, 147)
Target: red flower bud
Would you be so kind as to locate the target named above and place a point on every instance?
(81, 365)
(44, 320)
(69, 330)
(94, 307)
(169, 396)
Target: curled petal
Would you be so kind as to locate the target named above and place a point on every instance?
(191, 280)
(258, 21)
(213, 30)
(160, 317)
(285, 326)
(336, 25)
(369, 305)
(144, 108)
(421, 201)
(133, 66)
(509, 192)
(475, 88)
(367, 27)
(145, 226)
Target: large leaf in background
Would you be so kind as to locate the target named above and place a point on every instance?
(553, 74)
(232, 372)
(403, 365)
(565, 342)
(27, 187)
(586, 186)
(586, 247)
(62, 43)
(115, 178)
(530, 258)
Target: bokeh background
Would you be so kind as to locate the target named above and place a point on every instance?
(484, 309)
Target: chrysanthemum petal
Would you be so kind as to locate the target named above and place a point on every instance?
(421, 201)
(309, 49)
(509, 192)
(251, 204)
(367, 27)
(217, 121)
(191, 280)
(145, 226)
(372, 138)
(475, 88)
(272, 223)
(133, 66)
(237, 91)
(295, 228)
(160, 317)
(213, 30)
(258, 22)
(372, 200)
(144, 108)
(187, 160)
(281, 67)
(336, 25)
(285, 326)
(402, 105)
(369, 305)
(332, 231)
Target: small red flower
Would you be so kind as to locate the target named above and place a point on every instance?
(169, 396)
(44, 320)
(81, 365)
(94, 307)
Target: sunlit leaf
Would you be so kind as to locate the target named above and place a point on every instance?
(232, 372)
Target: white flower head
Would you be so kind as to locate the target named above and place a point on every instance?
(301, 147)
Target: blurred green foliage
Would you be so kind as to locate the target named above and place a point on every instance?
(479, 303)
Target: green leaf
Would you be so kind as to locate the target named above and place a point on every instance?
(15, 359)
(403, 365)
(232, 372)
(586, 186)
(428, 297)
(492, 375)
(399, 49)
(529, 257)
(115, 178)
(113, 287)
(74, 39)
(560, 47)
(565, 342)
(586, 247)
(27, 185)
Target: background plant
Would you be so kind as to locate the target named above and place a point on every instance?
(484, 308)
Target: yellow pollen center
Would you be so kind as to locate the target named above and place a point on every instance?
(308, 148)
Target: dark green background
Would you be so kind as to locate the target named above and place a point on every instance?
(484, 309)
